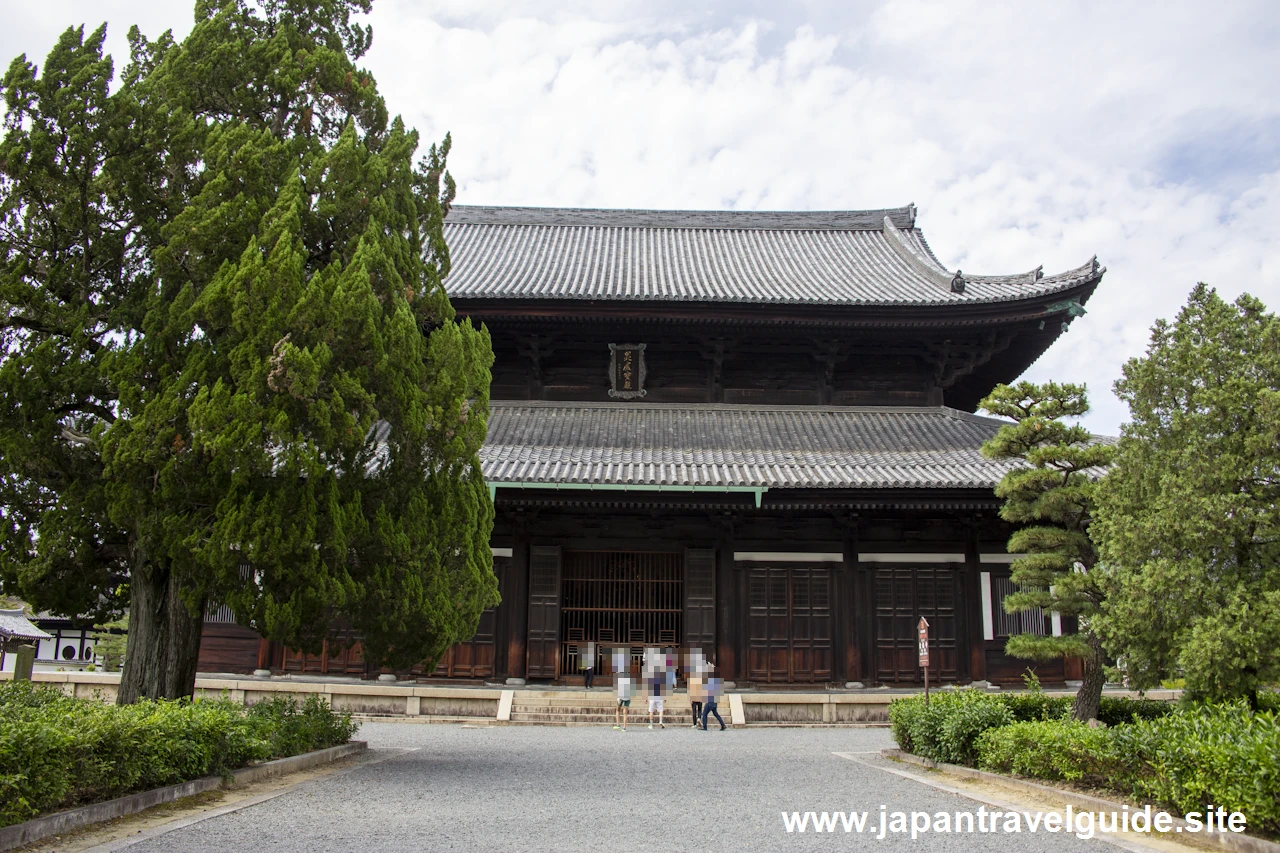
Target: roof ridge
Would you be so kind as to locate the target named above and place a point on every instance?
(745, 220)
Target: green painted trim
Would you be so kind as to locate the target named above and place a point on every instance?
(758, 491)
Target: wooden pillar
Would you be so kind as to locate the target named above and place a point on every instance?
(742, 638)
(973, 607)
(727, 621)
(865, 607)
(850, 619)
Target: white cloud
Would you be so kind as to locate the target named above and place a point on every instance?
(1026, 133)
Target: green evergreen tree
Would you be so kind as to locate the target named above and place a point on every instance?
(1189, 516)
(1052, 493)
(226, 345)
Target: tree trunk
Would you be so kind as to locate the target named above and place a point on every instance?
(1089, 696)
(164, 639)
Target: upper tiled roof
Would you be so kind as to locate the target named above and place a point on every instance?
(738, 445)
(860, 257)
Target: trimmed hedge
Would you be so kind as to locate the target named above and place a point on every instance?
(57, 752)
(947, 728)
(1183, 757)
(1224, 755)
(1060, 750)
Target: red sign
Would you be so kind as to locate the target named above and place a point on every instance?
(924, 642)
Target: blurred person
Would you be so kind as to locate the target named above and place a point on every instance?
(655, 681)
(696, 692)
(623, 687)
(715, 687)
(587, 663)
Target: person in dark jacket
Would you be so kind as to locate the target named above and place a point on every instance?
(715, 687)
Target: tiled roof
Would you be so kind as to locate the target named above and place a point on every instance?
(14, 625)
(738, 445)
(860, 257)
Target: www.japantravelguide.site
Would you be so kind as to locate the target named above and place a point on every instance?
(1083, 824)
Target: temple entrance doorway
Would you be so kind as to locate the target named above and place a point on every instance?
(790, 624)
(618, 598)
(902, 596)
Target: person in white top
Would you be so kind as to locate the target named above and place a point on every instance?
(656, 687)
(622, 683)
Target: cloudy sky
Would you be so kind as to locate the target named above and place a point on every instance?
(1026, 133)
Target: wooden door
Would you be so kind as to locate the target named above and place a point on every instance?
(902, 596)
(810, 624)
(544, 611)
(700, 600)
(471, 658)
(789, 624)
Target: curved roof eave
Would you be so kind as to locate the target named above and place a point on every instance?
(868, 258)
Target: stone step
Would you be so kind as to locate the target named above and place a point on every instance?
(591, 715)
(593, 708)
(588, 697)
(598, 719)
(423, 718)
(631, 724)
(581, 704)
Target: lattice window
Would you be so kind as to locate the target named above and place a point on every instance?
(1012, 624)
(625, 597)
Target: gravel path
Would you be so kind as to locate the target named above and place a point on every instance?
(517, 788)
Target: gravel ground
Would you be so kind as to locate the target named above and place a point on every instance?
(517, 788)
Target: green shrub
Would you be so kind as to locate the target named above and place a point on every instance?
(1220, 754)
(33, 769)
(293, 730)
(1035, 705)
(902, 721)
(57, 752)
(1118, 710)
(947, 728)
(20, 697)
(1063, 750)
(1269, 700)
(1183, 759)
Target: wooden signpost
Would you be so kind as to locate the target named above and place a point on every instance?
(923, 628)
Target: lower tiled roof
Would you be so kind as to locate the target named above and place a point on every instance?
(797, 447)
(14, 625)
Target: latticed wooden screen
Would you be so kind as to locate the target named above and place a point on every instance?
(618, 598)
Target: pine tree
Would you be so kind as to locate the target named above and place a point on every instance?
(1189, 516)
(1053, 495)
(230, 370)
